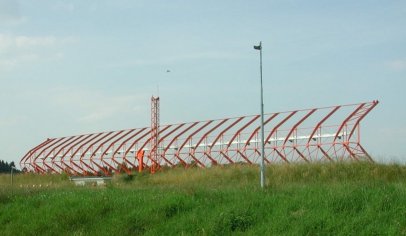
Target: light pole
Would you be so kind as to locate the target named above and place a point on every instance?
(12, 168)
(262, 165)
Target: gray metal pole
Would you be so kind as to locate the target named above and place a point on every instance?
(262, 164)
(12, 168)
(262, 123)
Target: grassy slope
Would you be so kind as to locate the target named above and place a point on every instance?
(299, 199)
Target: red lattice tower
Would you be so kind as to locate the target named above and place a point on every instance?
(154, 144)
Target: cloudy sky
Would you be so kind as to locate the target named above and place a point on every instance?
(74, 67)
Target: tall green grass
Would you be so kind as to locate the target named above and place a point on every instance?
(300, 199)
(30, 179)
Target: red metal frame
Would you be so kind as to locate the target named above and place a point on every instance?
(43, 150)
(221, 135)
(176, 138)
(154, 140)
(188, 139)
(362, 116)
(91, 156)
(53, 158)
(72, 162)
(103, 160)
(322, 122)
(330, 134)
(163, 138)
(205, 136)
(114, 152)
(68, 166)
(153, 161)
(106, 172)
(30, 153)
(129, 149)
(297, 124)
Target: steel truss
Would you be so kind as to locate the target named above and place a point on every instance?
(319, 134)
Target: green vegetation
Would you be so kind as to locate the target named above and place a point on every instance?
(5, 167)
(300, 199)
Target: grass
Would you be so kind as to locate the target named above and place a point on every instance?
(300, 199)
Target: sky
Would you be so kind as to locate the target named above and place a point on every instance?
(76, 67)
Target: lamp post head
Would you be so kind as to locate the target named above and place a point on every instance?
(259, 47)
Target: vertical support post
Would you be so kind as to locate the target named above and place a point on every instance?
(262, 165)
(359, 134)
(140, 157)
(155, 155)
(12, 176)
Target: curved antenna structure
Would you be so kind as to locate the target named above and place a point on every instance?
(309, 135)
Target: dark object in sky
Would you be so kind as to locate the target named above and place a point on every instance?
(168, 71)
(259, 47)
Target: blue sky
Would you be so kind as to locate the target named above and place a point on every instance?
(73, 67)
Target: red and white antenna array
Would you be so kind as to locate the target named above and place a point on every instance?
(309, 135)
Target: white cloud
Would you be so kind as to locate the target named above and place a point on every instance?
(21, 59)
(397, 64)
(26, 41)
(12, 43)
(6, 42)
(101, 107)
(94, 106)
(22, 49)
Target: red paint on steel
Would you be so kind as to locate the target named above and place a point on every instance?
(30, 152)
(100, 146)
(189, 138)
(154, 140)
(362, 117)
(347, 119)
(147, 142)
(80, 159)
(140, 157)
(205, 136)
(365, 153)
(220, 135)
(281, 155)
(243, 128)
(325, 153)
(164, 137)
(176, 137)
(91, 156)
(43, 150)
(279, 125)
(70, 149)
(50, 169)
(226, 129)
(301, 154)
(297, 124)
(33, 162)
(351, 152)
(105, 149)
(129, 149)
(112, 151)
(244, 157)
(53, 150)
(257, 129)
(322, 122)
